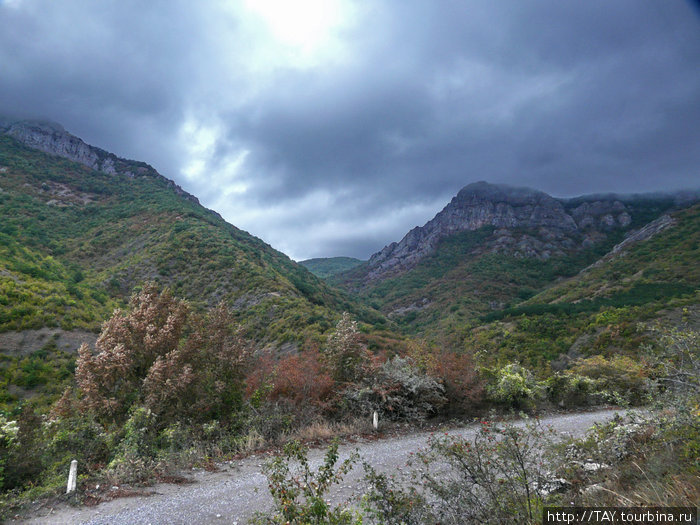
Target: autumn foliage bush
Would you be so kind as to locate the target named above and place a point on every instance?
(160, 355)
(299, 378)
(464, 389)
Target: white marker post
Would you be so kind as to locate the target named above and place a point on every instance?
(375, 420)
(72, 475)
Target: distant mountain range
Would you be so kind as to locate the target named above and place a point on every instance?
(326, 266)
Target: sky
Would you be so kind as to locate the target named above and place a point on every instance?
(332, 127)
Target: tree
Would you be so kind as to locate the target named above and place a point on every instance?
(345, 351)
(144, 358)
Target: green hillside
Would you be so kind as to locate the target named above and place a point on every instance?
(603, 310)
(459, 282)
(468, 279)
(75, 243)
(324, 267)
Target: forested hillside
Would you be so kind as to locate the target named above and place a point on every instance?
(606, 309)
(76, 242)
(327, 266)
(494, 247)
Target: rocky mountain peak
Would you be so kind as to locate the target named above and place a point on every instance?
(527, 222)
(485, 191)
(53, 139)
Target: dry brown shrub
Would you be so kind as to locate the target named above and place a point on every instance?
(143, 357)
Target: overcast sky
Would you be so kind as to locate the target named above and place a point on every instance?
(332, 127)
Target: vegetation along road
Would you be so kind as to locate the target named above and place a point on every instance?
(239, 488)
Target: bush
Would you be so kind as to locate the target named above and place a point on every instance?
(78, 437)
(677, 360)
(8, 444)
(345, 352)
(639, 460)
(20, 449)
(456, 372)
(299, 378)
(572, 390)
(464, 389)
(389, 503)
(617, 378)
(136, 451)
(144, 359)
(515, 386)
(398, 390)
(498, 477)
(299, 494)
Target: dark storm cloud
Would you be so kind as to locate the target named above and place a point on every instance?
(601, 85)
(107, 72)
(345, 155)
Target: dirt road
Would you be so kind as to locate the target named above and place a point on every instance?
(232, 495)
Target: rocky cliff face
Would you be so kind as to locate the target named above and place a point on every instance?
(528, 223)
(52, 138)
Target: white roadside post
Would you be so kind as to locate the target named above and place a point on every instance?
(72, 475)
(375, 420)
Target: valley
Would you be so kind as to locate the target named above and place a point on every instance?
(143, 334)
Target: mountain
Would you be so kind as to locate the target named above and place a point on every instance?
(650, 278)
(82, 228)
(494, 246)
(326, 266)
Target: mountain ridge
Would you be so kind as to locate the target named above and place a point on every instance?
(119, 222)
(52, 138)
(561, 224)
(324, 267)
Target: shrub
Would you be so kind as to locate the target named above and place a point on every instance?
(201, 379)
(345, 352)
(20, 449)
(8, 443)
(272, 419)
(144, 359)
(299, 493)
(498, 477)
(641, 459)
(79, 437)
(516, 387)
(457, 373)
(128, 346)
(135, 456)
(389, 503)
(398, 390)
(621, 375)
(299, 378)
(569, 389)
(677, 360)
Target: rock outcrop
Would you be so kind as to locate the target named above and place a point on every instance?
(52, 138)
(528, 223)
(633, 237)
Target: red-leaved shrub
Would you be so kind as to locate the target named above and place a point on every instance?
(298, 378)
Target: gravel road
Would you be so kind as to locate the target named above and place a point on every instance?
(233, 494)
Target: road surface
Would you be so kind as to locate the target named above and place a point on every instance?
(233, 494)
